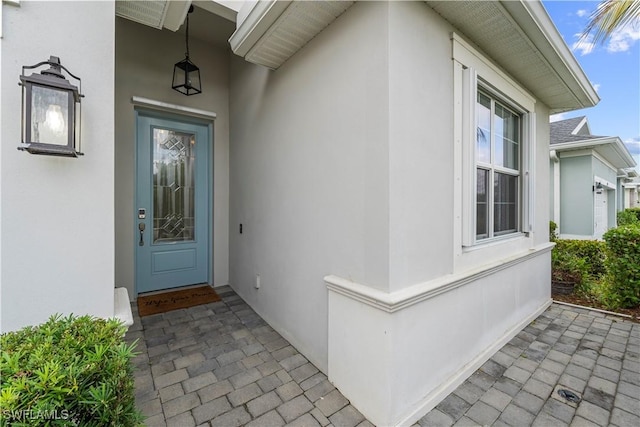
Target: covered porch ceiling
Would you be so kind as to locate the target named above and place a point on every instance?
(211, 21)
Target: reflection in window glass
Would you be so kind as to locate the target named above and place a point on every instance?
(482, 204)
(483, 132)
(505, 199)
(498, 163)
(506, 134)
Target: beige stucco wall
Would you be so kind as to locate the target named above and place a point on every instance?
(144, 66)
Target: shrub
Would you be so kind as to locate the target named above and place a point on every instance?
(567, 266)
(553, 231)
(591, 251)
(68, 371)
(623, 263)
(628, 217)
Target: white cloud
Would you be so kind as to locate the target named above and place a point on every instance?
(596, 86)
(584, 44)
(622, 40)
(582, 13)
(557, 117)
(633, 145)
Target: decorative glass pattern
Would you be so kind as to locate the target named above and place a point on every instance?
(173, 186)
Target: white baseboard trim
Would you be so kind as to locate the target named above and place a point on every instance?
(436, 396)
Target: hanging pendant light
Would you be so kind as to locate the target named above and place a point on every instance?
(186, 74)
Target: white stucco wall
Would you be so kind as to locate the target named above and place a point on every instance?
(420, 145)
(448, 308)
(343, 164)
(309, 175)
(57, 219)
(144, 65)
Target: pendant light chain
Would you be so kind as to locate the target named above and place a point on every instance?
(186, 74)
(187, 36)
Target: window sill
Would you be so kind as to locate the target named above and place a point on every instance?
(495, 241)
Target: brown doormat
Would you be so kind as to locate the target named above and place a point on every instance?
(173, 300)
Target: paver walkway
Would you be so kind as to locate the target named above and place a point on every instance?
(220, 364)
(592, 355)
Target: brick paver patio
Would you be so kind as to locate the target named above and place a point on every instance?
(220, 364)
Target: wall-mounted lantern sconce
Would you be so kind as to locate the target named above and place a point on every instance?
(598, 188)
(50, 111)
(186, 74)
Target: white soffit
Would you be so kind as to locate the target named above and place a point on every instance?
(275, 30)
(521, 38)
(154, 13)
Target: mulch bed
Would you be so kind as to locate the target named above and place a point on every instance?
(579, 300)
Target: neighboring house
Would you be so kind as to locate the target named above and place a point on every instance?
(587, 176)
(380, 169)
(631, 191)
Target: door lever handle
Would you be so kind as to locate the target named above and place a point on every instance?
(141, 227)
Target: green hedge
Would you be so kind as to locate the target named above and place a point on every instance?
(591, 251)
(623, 263)
(629, 216)
(68, 371)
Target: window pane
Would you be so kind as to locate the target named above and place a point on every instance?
(483, 132)
(482, 204)
(507, 137)
(173, 186)
(505, 199)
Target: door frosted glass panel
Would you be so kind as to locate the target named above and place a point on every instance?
(173, 186)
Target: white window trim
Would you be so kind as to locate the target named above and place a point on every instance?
(470, 67)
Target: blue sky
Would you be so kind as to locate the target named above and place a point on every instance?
(613, 67)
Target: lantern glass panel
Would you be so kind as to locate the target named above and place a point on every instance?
(49, 116)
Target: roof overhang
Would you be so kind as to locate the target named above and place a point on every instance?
(612, 149)
(154, 13)
(521, 38)
(518, 35)
(271, 31)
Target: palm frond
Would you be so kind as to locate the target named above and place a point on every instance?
(611, 15)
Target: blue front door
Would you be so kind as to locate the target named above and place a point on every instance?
(172, 203)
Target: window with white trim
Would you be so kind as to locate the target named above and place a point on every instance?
(496, 121)
(497, 158)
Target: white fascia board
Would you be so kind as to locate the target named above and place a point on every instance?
(226, 9)
(587, 143)
(625, 160)
(259, 19)
(532, 17)
(176, 14)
